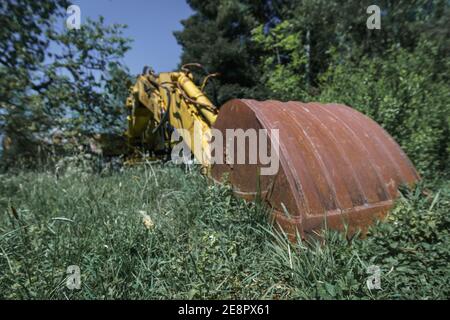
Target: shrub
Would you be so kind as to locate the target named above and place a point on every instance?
(407, 93)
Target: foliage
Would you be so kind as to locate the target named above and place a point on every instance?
(155, 232)
(218, 36)
(286, 81)
(397, 75)
(404, 93)
(91, 93)
(315, 50)
(293, 39)
(52, 79)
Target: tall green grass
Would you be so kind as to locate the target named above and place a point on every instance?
(158, 232)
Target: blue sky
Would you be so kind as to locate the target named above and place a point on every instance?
(150, 24)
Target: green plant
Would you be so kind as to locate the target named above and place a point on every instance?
(157, 232)
(406, 93)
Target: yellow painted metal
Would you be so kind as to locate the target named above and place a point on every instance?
(189, 110)
(196, 94)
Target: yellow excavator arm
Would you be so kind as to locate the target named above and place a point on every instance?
(161, 103)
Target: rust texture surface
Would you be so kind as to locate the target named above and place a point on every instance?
(337, 166)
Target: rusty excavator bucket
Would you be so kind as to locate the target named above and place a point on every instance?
(337, 167)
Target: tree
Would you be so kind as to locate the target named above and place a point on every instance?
(219, 37)
(322, 50)
(57, 80)
(291, 43)
(397, 75)
(303, 44)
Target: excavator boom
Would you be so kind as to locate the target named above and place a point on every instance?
(159, 104)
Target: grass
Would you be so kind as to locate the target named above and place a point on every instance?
(158, 232)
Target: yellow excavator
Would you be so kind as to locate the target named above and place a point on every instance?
(336, 168)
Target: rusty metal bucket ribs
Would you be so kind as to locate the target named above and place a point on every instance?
(337, 166)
